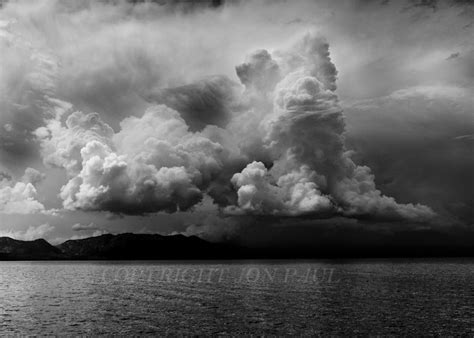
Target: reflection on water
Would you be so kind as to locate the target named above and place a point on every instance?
(270, 297)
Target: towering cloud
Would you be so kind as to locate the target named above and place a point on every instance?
(155, 163)
(312, 172)
(143, 119)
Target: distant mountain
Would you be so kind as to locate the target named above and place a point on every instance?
(142, 246)
(126, 246)
(12, 249)
(131, 246)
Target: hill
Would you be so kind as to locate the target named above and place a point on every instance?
(142, 246)
(12, 249)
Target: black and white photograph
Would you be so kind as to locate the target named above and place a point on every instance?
(237, 168)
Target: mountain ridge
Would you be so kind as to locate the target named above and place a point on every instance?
(130, 246)
(141, 246)
(38, 249)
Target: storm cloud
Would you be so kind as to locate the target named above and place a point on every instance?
(149, 108)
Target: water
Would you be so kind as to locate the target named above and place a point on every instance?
(269, 297)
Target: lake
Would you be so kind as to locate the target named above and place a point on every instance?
(378, 297)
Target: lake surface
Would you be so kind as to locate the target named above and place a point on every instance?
(422, 296)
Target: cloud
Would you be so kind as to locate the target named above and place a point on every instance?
(217, 229)
(410, 139)
(84, 227)
(32, 176)
(453, 56)
(312, 170)
(113, 58)
(465, 137)
(83, 231)
(27, 79)
(144, 111)
(295, 193)
(153, 163)
(20, 197)
(205, 102)
(30, 234)
(259, 72)
(95, 233)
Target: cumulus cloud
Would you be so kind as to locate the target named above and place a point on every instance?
(312, 170)
(30, 234)
(259, 72)
(32, 176)
(295, 193)
(125, 98)
(20, 197)
(153, 163)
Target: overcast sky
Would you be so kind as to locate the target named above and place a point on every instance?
(236, 120)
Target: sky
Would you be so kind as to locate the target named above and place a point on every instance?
(275, 122)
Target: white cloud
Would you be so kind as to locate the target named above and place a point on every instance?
(312, 171)
(20, 197)
(154, 163)
(84, 227)
(32, 233)
(283, 149)
(295, 193)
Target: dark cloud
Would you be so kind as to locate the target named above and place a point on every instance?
(121, 97)
(411, 142)
(453, 56)
(205, 102)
